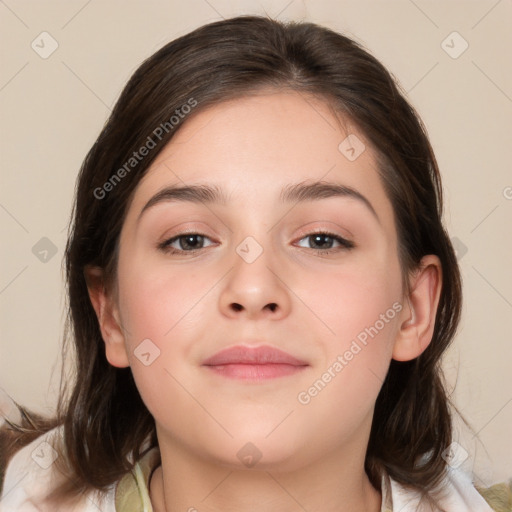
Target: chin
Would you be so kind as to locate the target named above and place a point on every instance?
(260, 452)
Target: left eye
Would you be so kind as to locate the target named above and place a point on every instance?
(324, 241)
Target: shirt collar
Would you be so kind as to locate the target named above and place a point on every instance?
(132, 491)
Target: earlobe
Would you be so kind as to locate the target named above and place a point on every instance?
(419, 316)
(108, 318)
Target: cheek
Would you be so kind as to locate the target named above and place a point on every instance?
(157, 302)
(353, 298)
(359, 308)
(160, 318)
(159, 313)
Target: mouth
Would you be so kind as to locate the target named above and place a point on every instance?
(260, 363)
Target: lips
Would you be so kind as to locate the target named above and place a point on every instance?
(254, 364)
(254, 356)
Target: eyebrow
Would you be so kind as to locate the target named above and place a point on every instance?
(298, 192)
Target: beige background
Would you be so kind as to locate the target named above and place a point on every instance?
(52, 110)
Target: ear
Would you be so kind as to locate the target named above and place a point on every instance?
(108, 317)
(419, 313)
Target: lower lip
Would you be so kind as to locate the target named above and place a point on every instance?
(256, 371)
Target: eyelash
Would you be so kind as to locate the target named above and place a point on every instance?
(345, 244)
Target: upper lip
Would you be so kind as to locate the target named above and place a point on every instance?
(263, 354)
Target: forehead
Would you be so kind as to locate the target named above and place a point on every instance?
(253, 147)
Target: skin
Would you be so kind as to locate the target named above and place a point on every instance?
(192, 305)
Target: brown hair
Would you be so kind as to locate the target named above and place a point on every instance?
(104, 417)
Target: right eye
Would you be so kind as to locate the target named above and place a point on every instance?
(187, 243)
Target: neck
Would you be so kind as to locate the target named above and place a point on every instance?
(184, 483)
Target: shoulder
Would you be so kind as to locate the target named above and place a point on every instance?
(31, 475)
(457, 493)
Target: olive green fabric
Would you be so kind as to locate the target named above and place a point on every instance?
(132, 491)
(499, 496)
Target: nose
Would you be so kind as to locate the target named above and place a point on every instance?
(255, 289)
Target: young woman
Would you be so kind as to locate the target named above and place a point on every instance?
(260, 290)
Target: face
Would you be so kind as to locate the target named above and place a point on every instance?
(315, 275)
